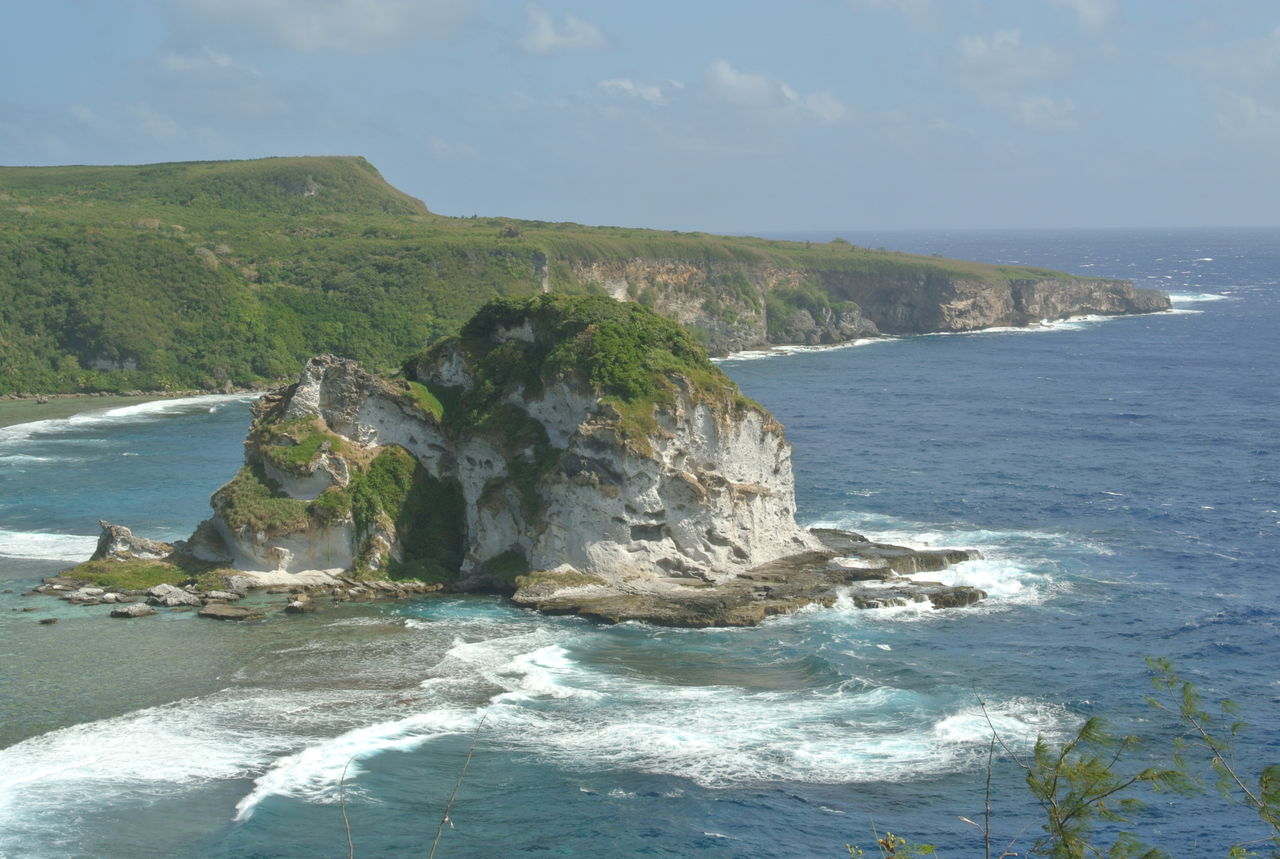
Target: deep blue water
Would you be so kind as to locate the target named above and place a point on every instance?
(1120, 475)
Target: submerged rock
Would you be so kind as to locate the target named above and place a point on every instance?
(218, 611)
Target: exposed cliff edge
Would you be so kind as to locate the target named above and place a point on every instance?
(580, 453)
(131, 277)
(821, 301)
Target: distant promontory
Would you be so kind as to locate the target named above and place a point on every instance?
(231, 274)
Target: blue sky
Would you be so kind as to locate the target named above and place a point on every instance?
(717, 115)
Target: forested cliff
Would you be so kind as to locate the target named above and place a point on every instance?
(208, 274)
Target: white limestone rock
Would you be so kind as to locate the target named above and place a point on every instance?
(544, 470)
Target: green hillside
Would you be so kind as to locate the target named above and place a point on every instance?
(193, 275)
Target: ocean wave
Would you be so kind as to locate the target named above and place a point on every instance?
(121, 414)
(527, 693)
(884, 528)
(1044, 326)
(147, 755)
(784, 350)
(45, 546)
(1006, 582)
(1196, 297)
(580, 718)
(317, 771)
(28, 459)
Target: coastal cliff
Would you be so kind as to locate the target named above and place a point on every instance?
(933, 303)
(552, 431)
(581, 454)
(733, 307)
(130, 278)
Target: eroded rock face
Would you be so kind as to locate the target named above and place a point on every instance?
(532, 470)
(907, 304)
(119, 543)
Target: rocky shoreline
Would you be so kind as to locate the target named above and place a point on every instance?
(220, 603)
(848, 569)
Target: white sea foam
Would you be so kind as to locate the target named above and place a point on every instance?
(1017, 567)
(1196, 297)
(150, 753)
(27, 459)
(535, 698)
(122, 414)
(1018, 722)
(784, 350)
(1044, 326)
(45, 546)
(993, 543)
(577, 717)
(314, 772)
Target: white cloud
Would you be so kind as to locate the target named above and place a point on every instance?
(1093, 15)
(205, 61)
(445, 150)
(151, 123)
(1041, 111)
(83, 114)
(917, 10)
(1001, 60)
(543, 37)
(651, 93)
(825, 106)
(1245, 118)
(745, 88)
(1248, 59)
(326, 26)
(760, 91)
(212, 83)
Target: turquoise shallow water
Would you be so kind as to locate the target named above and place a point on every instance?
(1120, 475)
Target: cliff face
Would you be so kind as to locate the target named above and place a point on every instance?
(917, 304)
(554, 431)
(735, 306)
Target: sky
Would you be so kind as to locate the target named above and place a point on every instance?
(731, 116)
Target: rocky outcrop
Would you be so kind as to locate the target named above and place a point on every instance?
(917, 303)
(846, 568)
(732, 305)
(137, 609)
(723, 303)
(828, 327)
(583, 454)
(550, 451)
(118, 543)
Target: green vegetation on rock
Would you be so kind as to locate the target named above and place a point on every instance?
(136, 575)
(250, 501)
(509, 566)
(294, 444)
(783, 303)
(631, 357)
(427, 513)
(425, 401)
(122, 278)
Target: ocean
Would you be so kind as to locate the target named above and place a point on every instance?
(1120, 476)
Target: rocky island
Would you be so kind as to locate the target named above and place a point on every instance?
(580, 455)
